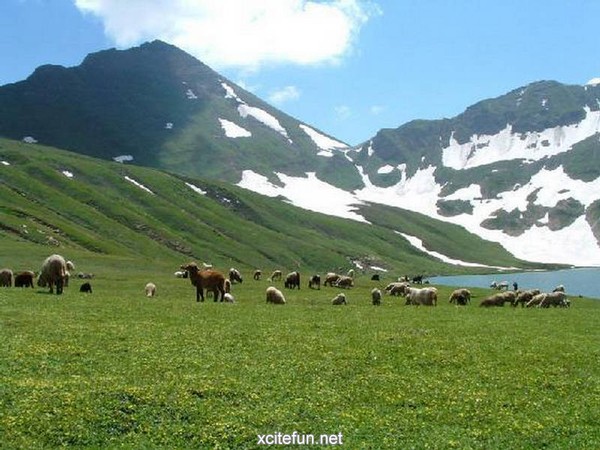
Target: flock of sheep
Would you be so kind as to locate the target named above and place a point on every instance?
(55, 274)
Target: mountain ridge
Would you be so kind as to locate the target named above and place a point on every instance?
(492, 169)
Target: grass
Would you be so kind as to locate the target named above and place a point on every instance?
(116, 369)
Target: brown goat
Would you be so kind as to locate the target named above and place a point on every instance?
(206, 279)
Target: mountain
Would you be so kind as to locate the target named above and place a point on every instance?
(522, 170)
(105, 213)
(156, 105)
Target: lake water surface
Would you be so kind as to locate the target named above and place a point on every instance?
(584, 281)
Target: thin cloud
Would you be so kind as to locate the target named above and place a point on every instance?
(283, 95)
(376, 109)
(343, 112)
(239, 33)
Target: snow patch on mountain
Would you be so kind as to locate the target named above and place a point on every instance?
(418, 243)
(264, 117)
(195, 188)
(305, 192)
(5, 163)
(233, 130)
(593, 82)
(323, 142)
(67, 173)
(506, 145)
(138, 184)
(261, 115)
(574, 244)
(123, 158)
(385, 169)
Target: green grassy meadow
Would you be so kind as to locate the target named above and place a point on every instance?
(116, 369)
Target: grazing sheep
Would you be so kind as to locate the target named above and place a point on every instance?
(536, 300)
(460, 296)
(344, 282)
(315, 280)
(559, 288)
(418, 279)
(228, 298)
(331, 278)
(235, 276)
(276, 275)
(53, 273)
(206, 279)
(150, 290)
(525, 297)
(24, 279)
(339, 299)
(498, 299)
(421, 296)
(257, 274)
(275, 296)
(292, 280)
(83, 275)
(6, 278)
(86, 287)
(555, 298)
(180, 274)
(375, 277)
(397, 288)
(376, 297)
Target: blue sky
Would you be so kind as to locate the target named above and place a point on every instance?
(346, 67)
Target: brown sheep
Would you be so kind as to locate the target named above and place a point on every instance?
(331, 278)
(24, 279)
(6, 278)
(525, 297)
(53, 273)
(460, 296)
(276, 276)
(345, 282)
(498, 299)
(257, 274)
(555, 298)
(206, 279)
(275, 296)
(397, 288)
(292, 280)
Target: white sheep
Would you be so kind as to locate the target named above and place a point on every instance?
(6, 278)
(54, 272)
(150, 290)
(275, 296)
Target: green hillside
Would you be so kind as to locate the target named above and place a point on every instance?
(98, 215)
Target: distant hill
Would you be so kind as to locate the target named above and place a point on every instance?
(156, 105)
(522, 169)
(57, 201)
